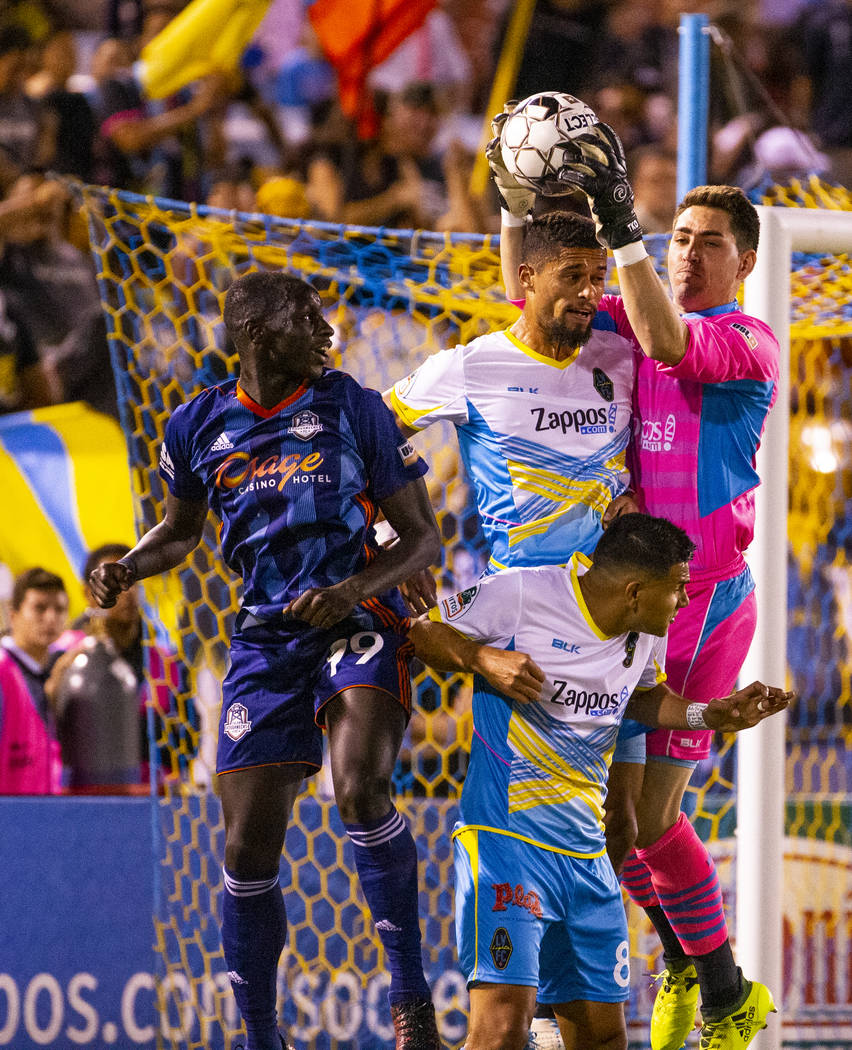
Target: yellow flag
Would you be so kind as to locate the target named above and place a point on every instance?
(208, 36)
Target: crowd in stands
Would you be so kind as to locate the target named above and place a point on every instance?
(274, 139)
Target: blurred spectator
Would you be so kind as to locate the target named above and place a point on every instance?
(401, 179)
(653, 175)
(27, 134)
(103, 637)
(824, 34)
(52, 283)
(152, 147)
(37, 618)
(232, 190)
(760, 142)
(23, 380)
(29, 753)
(75, 121)
(623, 105)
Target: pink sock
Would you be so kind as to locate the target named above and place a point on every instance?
(636, 879)
(685, 880)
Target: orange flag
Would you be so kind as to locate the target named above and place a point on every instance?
(357, 35)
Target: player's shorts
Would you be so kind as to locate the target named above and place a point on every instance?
(708, 644)
(284, 672)
(526, 914)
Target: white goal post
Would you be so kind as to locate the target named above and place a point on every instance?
(761, 751)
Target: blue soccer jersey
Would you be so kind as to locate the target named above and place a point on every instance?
(296, 487)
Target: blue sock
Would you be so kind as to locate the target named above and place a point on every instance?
(254, 929)
(386, 859)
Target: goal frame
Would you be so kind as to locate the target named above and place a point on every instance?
(761, 751)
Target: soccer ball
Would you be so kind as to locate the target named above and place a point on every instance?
(530, 137)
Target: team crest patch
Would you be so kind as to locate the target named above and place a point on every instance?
(456, 604)
(501, 948)
(603, 384)
(746, 333)
(237, 722)
(305, 425)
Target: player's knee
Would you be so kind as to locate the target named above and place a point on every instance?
(361, 799)
(500, 1032)
(246, 857)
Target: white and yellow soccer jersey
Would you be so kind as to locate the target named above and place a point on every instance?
(544, 441)
(538, 770)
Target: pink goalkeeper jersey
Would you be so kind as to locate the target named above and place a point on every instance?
(697, 427)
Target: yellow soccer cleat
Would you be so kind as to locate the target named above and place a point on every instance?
(674, 1009)
(737, 1029)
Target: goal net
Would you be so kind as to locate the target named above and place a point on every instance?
(394, 297)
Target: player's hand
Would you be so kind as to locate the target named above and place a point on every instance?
(514, 198)
(511, 673)
(746, 707)
(598, 168)
(107, 581)
(324, 606)
(420, 592)
(626, 503)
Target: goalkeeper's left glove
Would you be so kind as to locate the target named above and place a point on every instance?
(596, 166)
(515, 200)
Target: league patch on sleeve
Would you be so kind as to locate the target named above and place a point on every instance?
(746, 333)
(407, 453)
(457, 604)
(166, 464)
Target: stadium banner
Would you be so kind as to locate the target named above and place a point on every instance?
(76, 913)
(78, 966)
(64, 470)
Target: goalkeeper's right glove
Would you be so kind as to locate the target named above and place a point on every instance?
(515, 199)
(596, 166)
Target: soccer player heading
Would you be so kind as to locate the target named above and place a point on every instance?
(542, 409)
(706, 379)
(536, 895)
(296, 459)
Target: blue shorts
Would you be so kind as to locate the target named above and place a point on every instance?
(525, 914)
(282, 675)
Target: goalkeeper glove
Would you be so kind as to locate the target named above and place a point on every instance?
(596, 166)
(515, 199)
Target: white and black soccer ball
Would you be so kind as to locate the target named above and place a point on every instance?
(530, 137)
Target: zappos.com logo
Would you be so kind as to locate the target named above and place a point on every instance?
(658, 436)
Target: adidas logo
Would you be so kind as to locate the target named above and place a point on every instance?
(235, 978)
(221, 443)
(388, 926)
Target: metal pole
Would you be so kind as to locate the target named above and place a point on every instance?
(761, 751)
(693, 97)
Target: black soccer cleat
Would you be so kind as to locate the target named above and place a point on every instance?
(415, 1026)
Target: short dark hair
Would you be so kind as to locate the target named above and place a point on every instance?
(640, 541)
(745, 223)
(549, 234)
(36, 579)
(106, 552)
(255, 296)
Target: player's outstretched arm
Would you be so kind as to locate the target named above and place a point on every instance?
(418, 545)
(441, 647)
(165, 546)
(598, 168)
(662, 708)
